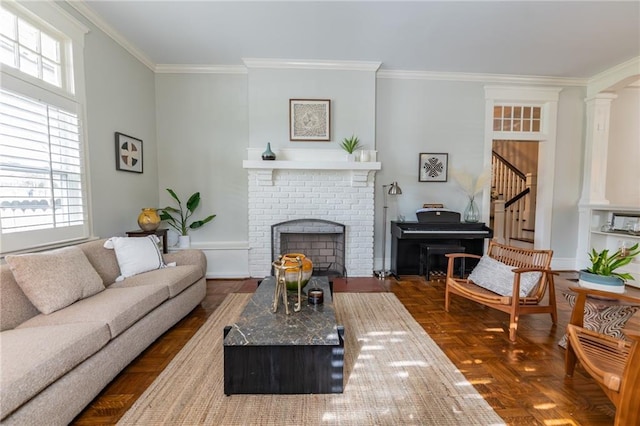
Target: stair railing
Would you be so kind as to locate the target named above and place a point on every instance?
(514, 200)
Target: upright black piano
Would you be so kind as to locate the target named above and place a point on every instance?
(439, 226)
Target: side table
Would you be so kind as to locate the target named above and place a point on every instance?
(160, 233)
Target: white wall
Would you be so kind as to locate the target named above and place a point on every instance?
(202, 139)
(623, 173)
(353, 103)
(415, 116)
(120, 98)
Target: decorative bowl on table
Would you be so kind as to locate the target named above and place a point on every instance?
(290, 262)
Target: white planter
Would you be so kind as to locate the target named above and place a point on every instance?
(598, 282)
(351, 158)
(184, 241)
(172, 238)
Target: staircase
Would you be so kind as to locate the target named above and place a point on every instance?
(513, 203)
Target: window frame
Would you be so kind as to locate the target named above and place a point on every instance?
(53, 20)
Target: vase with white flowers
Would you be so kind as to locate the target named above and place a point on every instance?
(471, 186)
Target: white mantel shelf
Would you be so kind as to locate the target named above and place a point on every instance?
(310, 160)
(311, 165)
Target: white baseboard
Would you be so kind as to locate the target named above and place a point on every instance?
(225, 259)
(563, 263)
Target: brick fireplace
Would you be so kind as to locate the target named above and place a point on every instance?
(320, 240)
(315, 185)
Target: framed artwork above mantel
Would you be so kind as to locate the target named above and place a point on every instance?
(310, 120)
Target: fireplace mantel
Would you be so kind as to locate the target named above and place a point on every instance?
(310, 159)
(311, 165)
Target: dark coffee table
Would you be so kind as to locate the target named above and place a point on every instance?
(275, 353)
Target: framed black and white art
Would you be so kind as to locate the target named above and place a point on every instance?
(433, 167)
(128, 153)
(310, 120)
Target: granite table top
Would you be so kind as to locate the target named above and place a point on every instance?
(258, 325)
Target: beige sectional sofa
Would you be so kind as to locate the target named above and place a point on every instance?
(52, 365)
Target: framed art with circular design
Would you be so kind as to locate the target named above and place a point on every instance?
(128, 153)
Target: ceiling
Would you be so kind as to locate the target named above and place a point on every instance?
(571, 39)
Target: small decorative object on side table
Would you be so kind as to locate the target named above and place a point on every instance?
(149, 220)
(160, 233)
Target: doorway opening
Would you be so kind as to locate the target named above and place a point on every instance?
(514, 165)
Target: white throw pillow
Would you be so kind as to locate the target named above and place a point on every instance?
(498, 277)
(136, 254)
(55, 279)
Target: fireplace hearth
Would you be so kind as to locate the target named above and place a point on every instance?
(320, 240)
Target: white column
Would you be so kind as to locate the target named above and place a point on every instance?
(596, 147)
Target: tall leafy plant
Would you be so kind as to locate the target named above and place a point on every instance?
(178, 218)
(603, 263)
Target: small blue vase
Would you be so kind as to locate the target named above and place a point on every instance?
(268, 154)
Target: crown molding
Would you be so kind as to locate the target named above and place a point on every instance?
(311, 64)
(86, 11)
(528, 93)
(199, 69)
(481, 78)
(611, 79)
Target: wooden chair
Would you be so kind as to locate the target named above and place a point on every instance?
(522, 260)
(613, 363)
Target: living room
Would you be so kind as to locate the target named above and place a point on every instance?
(200, 123)
(250, 108)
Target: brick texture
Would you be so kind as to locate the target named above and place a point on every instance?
(311, 194)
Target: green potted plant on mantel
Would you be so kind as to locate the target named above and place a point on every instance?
(350, 145)
(177, 218)
(601, 274)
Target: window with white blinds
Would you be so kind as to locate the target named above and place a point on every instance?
(43, 198)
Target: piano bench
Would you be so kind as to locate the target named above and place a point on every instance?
(427, 250)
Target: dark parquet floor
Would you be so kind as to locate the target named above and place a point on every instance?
(523, 381)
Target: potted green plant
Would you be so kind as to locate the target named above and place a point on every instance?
(601, 274)
(350, 145)
(177, 218)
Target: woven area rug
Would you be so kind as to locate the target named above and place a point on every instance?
(394, 374)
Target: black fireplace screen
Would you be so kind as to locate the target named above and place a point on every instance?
(320, 240)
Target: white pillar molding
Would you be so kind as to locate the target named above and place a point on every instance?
(596, 147)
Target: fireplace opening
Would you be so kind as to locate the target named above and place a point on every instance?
(320, 240)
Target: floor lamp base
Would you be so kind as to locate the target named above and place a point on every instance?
(384, 274)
